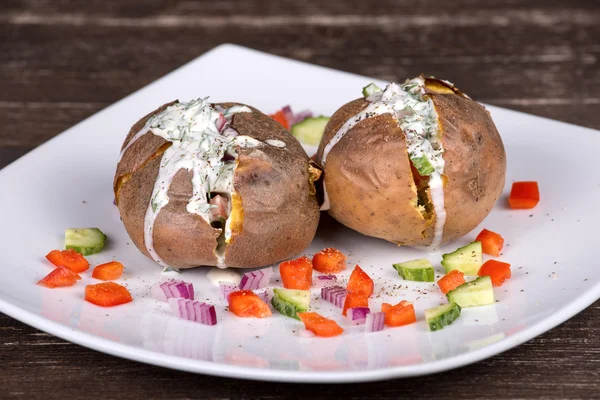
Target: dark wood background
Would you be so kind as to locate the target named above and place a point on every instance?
(61, 61)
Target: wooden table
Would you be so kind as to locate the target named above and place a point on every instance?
(62, 61)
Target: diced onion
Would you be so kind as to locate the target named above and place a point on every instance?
(256, 279)
(195, 311)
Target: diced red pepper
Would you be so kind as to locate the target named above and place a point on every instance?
(245, 303)
(320, 325)
(360, 282)
(524, 195)
(496, 270)
(402, 313)
(68, 258)
(279, 116)
(451, 281)
(491, 242)
(329, 261)
(296, 274)
(59, 277)
(108, 271)
(354, 299)
(107, 294)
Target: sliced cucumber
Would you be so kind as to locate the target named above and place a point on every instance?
(419, 270)
(85, 240)
(441, 316)
(310, 130)
(289, 302)
(370, 89)
(423, 165)
(467, 259)
(472, 294)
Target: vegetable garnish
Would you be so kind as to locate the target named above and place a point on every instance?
(402, 313)
(329, 261)
(108, 271)
(374, 322)
(195, 311)
(360, 282)
(287, 118)
(68, 258)
(442, 316)
(279, 116)
(335, 295)
(245, 303)
(107, 294)
(451, 281)
(163, 291)
(467, 259)
(472, 294)
(496, 270)
(256, 279)
(353, 300)
(85, 240)
(419, 270)
(524, 195)
(296, 274)
(289, 302)
(358, 315)
(320, 325)
(321, 281)
(491, 242)
(59, 277)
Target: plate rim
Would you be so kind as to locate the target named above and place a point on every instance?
(139, 354)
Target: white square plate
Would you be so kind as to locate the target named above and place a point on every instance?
(67, 182)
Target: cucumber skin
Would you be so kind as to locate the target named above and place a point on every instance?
(87, 249)
(447, 318)
(482, 297)
(285, 307)
(417, 275)
(452, 261)
(370, 89)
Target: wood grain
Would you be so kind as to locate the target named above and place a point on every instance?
(61, 61)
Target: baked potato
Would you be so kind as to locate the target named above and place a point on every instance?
(216, 185)
(415, 164)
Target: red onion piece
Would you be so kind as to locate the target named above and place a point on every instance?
(289, 114)
(162, 291)
(226, 290)
(321, 281)
(358, 315)
(374, 322)
(336, 295)
(195, 311)
(256, 279)
(265, 295)
(220, 122)
(301, 116)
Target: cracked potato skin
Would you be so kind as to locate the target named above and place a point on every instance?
(280, 216)
(369, 180)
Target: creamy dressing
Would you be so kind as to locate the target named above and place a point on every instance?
(203, 143)
(218, 275)
(275, 143)
(416, 116)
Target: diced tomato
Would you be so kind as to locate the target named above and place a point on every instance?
(329, 261)
(496, 270)
(296, 274)
(109, 271)
(354, 299)
(245, 303)
(524, 195)
(402, 313)
(451, 281)
(107, 294)
(279, 116)
(360, 282)
(68, 258)
(59, 277)
(491, 242)
(320, 325)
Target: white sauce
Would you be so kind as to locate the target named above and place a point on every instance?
(416, 116)
(203, 143)
(275, 143)
(218, 275)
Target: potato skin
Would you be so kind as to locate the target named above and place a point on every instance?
(370, 184)
(280, 215)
